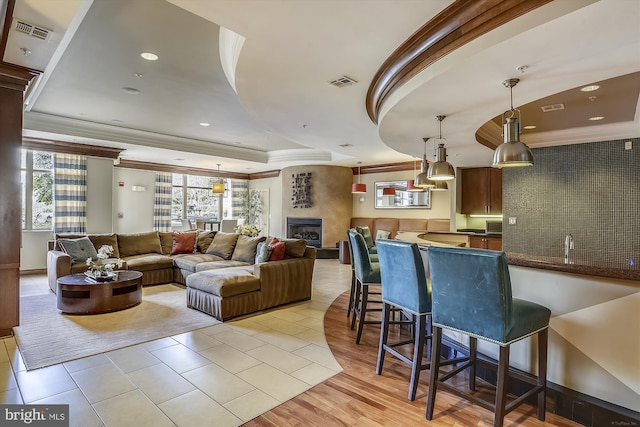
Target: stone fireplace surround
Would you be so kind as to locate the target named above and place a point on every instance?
(331, 200)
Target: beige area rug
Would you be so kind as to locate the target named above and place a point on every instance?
(47, 337)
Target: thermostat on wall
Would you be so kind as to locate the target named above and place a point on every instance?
(138, 188)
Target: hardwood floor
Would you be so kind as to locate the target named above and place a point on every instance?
(359, 397)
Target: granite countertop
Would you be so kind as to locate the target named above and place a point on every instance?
(557, 264)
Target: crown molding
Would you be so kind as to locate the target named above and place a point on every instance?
(70, 148)
(99, 131)
(159, 167)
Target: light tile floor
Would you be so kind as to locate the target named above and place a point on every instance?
(229, 373)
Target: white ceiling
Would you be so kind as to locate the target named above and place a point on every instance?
(284, 111)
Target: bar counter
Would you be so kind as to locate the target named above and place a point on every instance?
(557, 264)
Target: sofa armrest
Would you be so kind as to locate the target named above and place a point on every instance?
(287, 280)
(58, 265)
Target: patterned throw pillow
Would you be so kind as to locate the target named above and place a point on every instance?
(79, 249)
(263, 252)
(382, 234)
(183, 242)
(366, 233)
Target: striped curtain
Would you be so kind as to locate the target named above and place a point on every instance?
(238, 189)
(162, 202)
(70, 193)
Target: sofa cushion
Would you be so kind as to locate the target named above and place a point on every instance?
(184, 242)
(294, 248)
(148, 262)
(203, 240)
(188, 262)
(110, 239)
(212, 265)
(263, 252)
(246, 248)
(79, 249)
(223, 244)
(166, 241)
(225, 282)
(139, 243)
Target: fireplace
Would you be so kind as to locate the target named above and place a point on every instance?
(309, 229)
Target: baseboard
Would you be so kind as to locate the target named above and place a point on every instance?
(36, 271)
(565, 402)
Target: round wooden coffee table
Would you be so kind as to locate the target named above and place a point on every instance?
(79, 294)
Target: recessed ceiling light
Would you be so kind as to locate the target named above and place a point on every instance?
(590, 88)
(529, 127)
(130, 90)
(138, 75)
(596, 118)
(205, 124)
(149, 56)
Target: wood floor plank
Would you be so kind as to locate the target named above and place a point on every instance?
(359, 397)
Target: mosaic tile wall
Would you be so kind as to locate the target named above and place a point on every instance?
(591, 191)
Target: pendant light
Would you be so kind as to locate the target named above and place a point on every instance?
(411, 183)
(358, 188)
(441, 170)
(422, 180)
(388, 191)
(440, 186)
(218, 186)
(513, 152)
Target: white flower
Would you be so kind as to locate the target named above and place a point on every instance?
(247, 230)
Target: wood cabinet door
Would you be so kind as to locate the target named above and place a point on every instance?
(495, 191)
(476, 242)
(475, 187)
(494, 243)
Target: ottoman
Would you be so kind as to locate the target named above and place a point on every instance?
(224, 293)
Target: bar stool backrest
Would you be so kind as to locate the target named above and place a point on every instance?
(360, 259)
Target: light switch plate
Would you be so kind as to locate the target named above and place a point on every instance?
(512, 220)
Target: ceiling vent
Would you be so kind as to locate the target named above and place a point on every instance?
(343, 81)
(554, 107)
(32, 30)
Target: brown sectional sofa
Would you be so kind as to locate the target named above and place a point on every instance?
(222, 286)
(434, 230)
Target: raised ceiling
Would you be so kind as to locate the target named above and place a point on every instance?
(283, 111)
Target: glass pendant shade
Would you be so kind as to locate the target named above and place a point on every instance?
(441, 170)
(513, 152)
(218, 188)
(358, 188)
(422, 180)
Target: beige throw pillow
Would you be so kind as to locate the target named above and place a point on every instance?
(223, 244)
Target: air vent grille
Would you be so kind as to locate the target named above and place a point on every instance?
(343, 81)
(554, 107)
(32, 30)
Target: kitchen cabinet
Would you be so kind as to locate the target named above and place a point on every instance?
(480, 242)
(481, 191)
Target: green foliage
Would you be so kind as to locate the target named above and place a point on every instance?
(43, 188)
(251, 207)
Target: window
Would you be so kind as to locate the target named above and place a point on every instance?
(192, 198)
(36, 177)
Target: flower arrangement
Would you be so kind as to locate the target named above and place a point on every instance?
(247, 230)
(100, 267)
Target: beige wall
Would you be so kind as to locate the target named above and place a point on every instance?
(331, 199)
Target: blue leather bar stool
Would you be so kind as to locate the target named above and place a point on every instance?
(372, 257)
(404, 286)
(367, 274)
(471, 294)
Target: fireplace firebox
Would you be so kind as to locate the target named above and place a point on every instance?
(309, 229)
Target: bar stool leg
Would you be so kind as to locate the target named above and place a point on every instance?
(356, 303)
(436, 342)
(473, 353)
(363, 311)
(351, 293)
(419, 331)
(501, 386)
(384, 336)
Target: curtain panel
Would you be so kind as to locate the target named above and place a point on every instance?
(162, 202)
(70, 193)
(238, 196)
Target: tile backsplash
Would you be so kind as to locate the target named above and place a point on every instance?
(590, 190)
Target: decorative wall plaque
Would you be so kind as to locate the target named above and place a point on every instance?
(301, 185)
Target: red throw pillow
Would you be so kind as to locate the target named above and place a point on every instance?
(183, 243)
(277, 250)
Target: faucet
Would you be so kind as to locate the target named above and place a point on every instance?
(568, 245)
